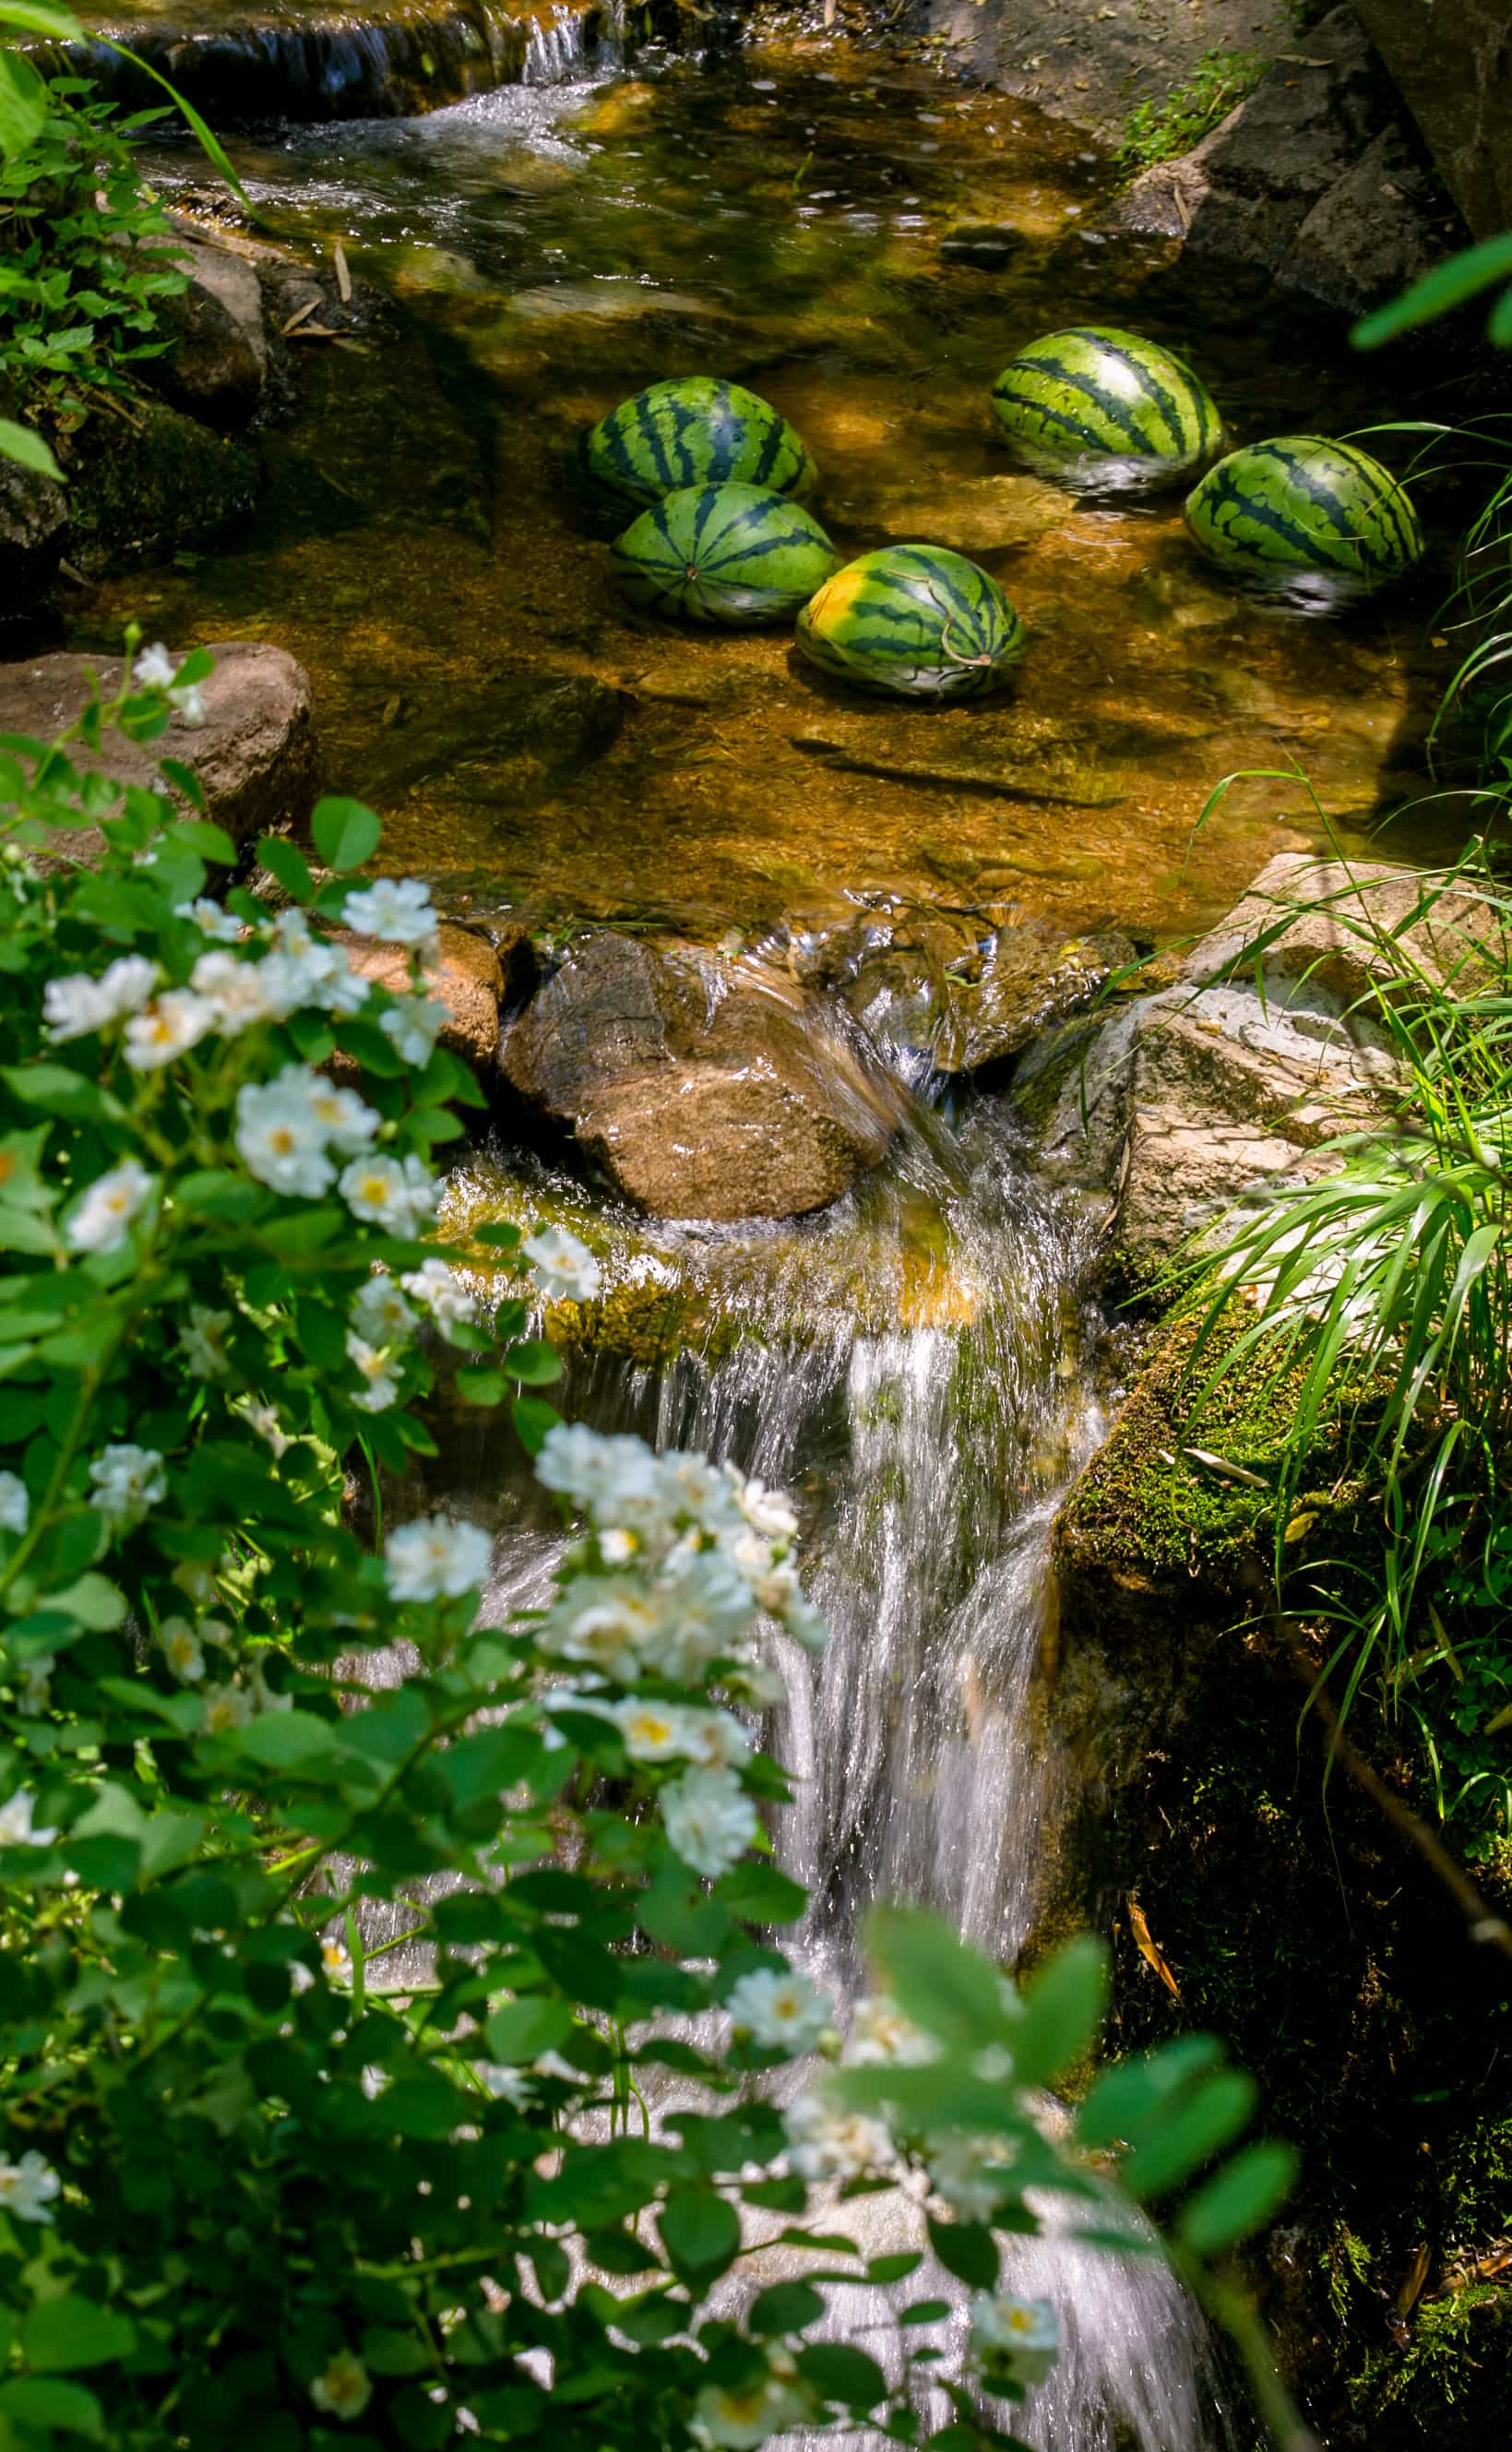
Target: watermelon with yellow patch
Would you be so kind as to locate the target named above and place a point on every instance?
(1098, 402)
(1300, 502)
(914, 620)
(734, 554)
(691, 430)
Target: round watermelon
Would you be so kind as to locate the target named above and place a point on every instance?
(1302, 502)
(916, 619)
(736, 554)
(694, 430)
(1106, 404)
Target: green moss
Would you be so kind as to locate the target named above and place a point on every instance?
(643, 1322)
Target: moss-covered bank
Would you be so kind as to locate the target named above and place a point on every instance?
(1301, 1927)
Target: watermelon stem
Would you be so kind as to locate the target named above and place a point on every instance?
(946, 649)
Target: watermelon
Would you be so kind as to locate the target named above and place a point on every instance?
(1302, 502)
(1098, 403)
(736, 554)
(916, 619)
(694, 430)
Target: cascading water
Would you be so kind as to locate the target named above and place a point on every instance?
(919, 1365)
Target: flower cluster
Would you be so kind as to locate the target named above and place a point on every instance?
(1016, 2340)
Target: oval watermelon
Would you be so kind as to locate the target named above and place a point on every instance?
(1108, 405)
(1302, 502)
(736, 554)
(692, 431)
(916, 619)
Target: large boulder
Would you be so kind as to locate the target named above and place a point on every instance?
(146, 482)
(34, 523)
(702, 1093)
(254, 755)
(1452, 62)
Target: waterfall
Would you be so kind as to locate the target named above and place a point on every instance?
(557, 48)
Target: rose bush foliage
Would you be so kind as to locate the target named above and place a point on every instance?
(252, 2189)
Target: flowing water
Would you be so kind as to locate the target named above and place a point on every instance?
(924, 1365)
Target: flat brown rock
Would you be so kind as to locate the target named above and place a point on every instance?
(703, 1140)
(464, 975)
(254, 755)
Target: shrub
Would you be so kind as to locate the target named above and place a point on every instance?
(1157, 132)
(251, 2186)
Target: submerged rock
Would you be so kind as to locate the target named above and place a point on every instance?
(254, 755)
(216, 366)
(703, 1095)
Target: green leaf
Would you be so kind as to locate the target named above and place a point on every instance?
(1196, 2129)
(1448, 285)
(761, 1893)
(843, 2374)
(1063, 2010)
(966, 2249)
(23, 108)
(940, 1981)
(22, 444)
(211, 842)
(522, 2030)
(281, 861)
(345, 833)
(535, 1362)
(533, 1417)
(1237, 2200)
(62, 1091)
(42, 17)
(294, 1741)
(482, 1387)
(32, 2400)
(63, 2334)
(92, 1601)
(499, 1235)
(701, 2234)
(1127, 2098)
(785, 2307)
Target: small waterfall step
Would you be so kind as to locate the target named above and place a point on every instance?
(243, 66)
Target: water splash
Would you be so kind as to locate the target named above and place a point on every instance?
(559, 46)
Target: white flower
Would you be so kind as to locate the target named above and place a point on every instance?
(74, 1006)
(203, 1342)
(346, 1120)
(725, 2421)
(566, 1270)
(783, 2011)
(768, 1511)
(414, 1027)
(380, 1313)
(805, 1624)
(609, 1623)
(1016, 2339)
(322, 975)
(825, 2142)
(715, 1738)
(154, 668)
(509, 2085)
(372, 1365)
(373, 2081)
(35, 1683)
(227, 1707)
(436, 1559)
(344, 2389)
(196, 1581)
(443, 1293)
(125, 1483)
(971, 2174)
(210, 919)
(182, 1650)
(165, 1028)
(16, 1829)
(397, 909)
(760, 1683)
(389, 1192)
(103, 1219)
(264, 1420)
(880, 2032)
(301, 1978)
(240, 994)
(335, 1959)
(189, 700)
(693, 1486)
(278, 1136)
(705, 1610)
(15, 1504)
(710, 1820)
(653, 1731)
(28, 2187)
(601, 1471)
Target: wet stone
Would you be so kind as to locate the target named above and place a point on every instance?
(216, 366)
(152, 482)
(463, 973)
(33, 524)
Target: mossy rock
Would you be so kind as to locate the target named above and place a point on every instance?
(150, 482)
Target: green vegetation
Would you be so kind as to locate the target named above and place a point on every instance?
(1157, 132)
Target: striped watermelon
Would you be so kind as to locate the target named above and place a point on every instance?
(736, 554)
(1302, 502)
(916, 619)
(1104, 403)
(694, 430)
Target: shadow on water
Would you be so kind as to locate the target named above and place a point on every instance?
(865, 244)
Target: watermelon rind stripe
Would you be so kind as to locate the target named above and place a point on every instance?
(1118, 414)
(1166, 402)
